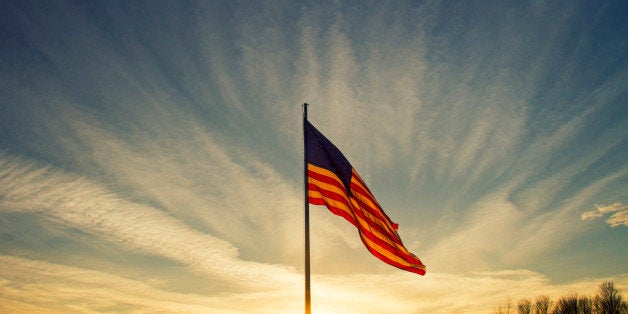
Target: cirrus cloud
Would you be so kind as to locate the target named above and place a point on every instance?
(619, 218)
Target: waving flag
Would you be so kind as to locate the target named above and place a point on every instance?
(333, 182)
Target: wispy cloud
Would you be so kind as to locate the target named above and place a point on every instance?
(173, 129)
(82, 203)
(442, 293)
(54, 288)
(44, 287)
(618, 214)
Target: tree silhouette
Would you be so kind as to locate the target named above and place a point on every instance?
(585, 305)
(567, 305)
(504, 310)
(542, 304)
(524, 306)
(608, 300)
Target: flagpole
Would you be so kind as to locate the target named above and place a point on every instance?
(307, 216)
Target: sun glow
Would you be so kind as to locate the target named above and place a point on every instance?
(151, 152)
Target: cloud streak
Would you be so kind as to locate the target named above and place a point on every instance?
(618, 214)
(46, 287)
(26, 186)
(173, 129)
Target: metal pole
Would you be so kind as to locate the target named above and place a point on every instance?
(307, 216)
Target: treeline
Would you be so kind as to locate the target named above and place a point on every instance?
(608, 300)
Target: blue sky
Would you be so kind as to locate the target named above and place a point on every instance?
(151, 152)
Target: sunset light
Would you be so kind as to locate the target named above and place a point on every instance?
(464, 156)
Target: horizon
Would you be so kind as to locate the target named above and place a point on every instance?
(151, 153)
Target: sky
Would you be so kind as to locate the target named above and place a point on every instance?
(151, 152)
